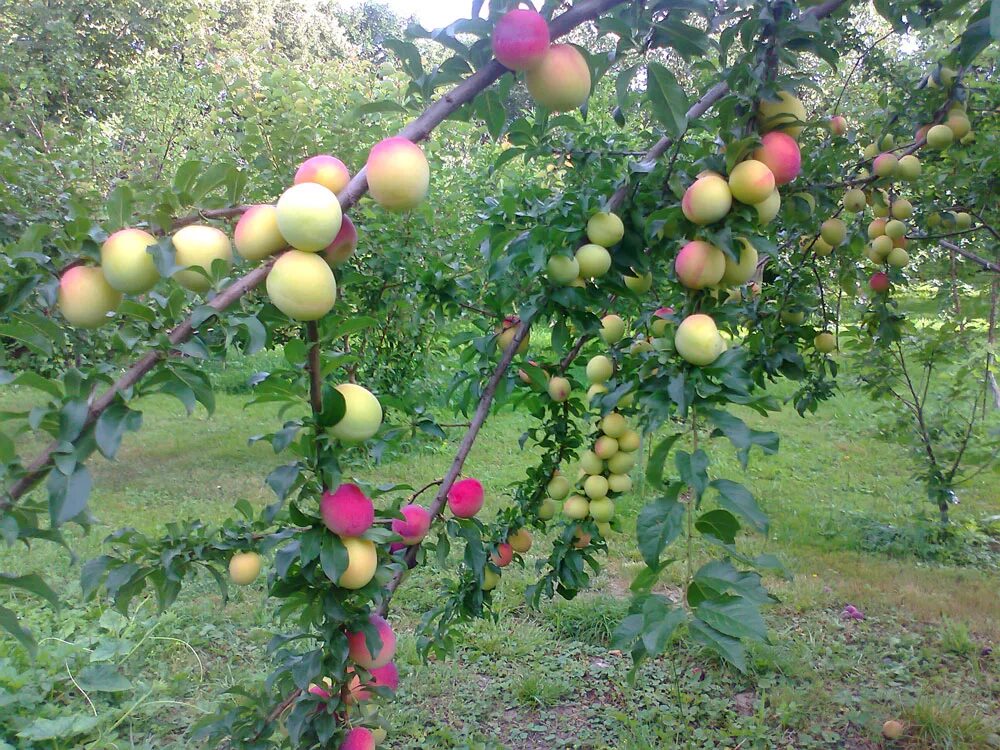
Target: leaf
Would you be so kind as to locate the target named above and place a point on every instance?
(995, 20)
(490, 108)
(103, 678)
(9, 622)
(61, 729)
(659, 629)
(282, 479)
(658, 459)
(734, 616)
(91, 574)
(741, 436)
(333, 557)
(35, 584)
(693, 470)
(119, 207)
(659, 524)
(112, 425)
(214, 177)
(720, 524)
(668, 99)
(68, 494)
(185, 176)
(384, 105)
(727, 647)
(737, 498)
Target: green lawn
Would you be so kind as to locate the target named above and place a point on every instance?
(543, 679)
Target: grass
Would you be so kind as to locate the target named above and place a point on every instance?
(548, 678)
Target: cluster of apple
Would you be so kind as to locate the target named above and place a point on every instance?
(593, 259)
(557, 75)
(307, 218)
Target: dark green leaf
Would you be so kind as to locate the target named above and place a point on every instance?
(728, 648)
(659, 524)
(668, 99)
(737, 498)
(720, 524)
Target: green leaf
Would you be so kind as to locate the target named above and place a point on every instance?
(728, 648)
(667, 98)
(63, 728)
(737, 498)
(186, 175)
(657, 631)
(659, 524)
(741, 436)
(68, 494)
(119, 207)
(112, 425)
(693, 470)
(333, 557)
(282, 479)
(720, 524)
(103, 678)
(9, 622)
(658, 459)
(734, 616)
(34, 583)
(490, 109)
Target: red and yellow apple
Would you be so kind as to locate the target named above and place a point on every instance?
(560, 82)
(85, 297)
(398, 174)
(126, 264)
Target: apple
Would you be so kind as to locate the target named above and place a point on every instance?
(902, 242)
(347, 511)
(881, 247)
(358, 738)
(503, 556)
(414, 524)
(887, 142)
(398, 174)
(506, 333)
(909, 167)
(257, 235)
(901, 209)
(622, 462)
(698, 341)
(959, 124)
(602, 509)
(309, 216)
(892, 729)
(751, 181)
(466, 497)
(605, 229)
(520, 39)
(547, 509)
(854, 200)
(707, 200)
(594, 261)
(199, 245)
(897, 257)
(768, 208)
(605, 447)
(576, 507)
(325, 170)
(838, 125)
(895, 229)
(362, 561)
(619, 483)
(699, 265)
(490, 579)
(321, 691)
(126, 264)
(357, 645)
(639, 284)
(244, 567)
(386, 677)
(793, 317)
(301, 285)
(362, 414)
(343, 246)
(612, 329)
(561, 81)
(825, 342)
(784, 113)
(879, 282)
(661, 320)
(599, 369)
(963, 220)
(614, 425)
(520, 540)
(885, 165)
(940, 136)
(876, 228)
(85, 297)
(559, 388)
(870, 152)
(558, 487)
(740, 272)
(562, 270)
(590, 463)
(833, 231)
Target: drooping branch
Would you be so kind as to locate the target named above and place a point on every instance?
(968, 254)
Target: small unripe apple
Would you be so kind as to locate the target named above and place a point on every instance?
(751, 181)
(559, 388)
(879, 282)
(558, 487)
(963, 220)
(605, 229)
(309, 216)
(825, 342)
(885, 165)
(741, 272)
(614, 425)
(343, 246)
(547, 509)
(85, 297)
(881, 247)
(325, 170)
(562, 270)
(126, 264)
(784, 113)
(362, 415)
(838, 125)
(594, 261)
(621, 462)
(768, 208)
(398, 174)
(897, 257)
(244, 567)
(602, 509)
(199, 245)
(506, 332)
(520, 39)
(854, 200)
(629, 442)
(595, 487)
(793, 317)
(698, 341)
(909, 167)
(597, 389)
(699, 265)
(707, 200)
(576, 507)
(301, 285)
(901, 209)
(605, 447)
(940, 136)
(892, 729)
(639, 284)
(870, 152)
(876, 228)
(561, 81)
(600, 369)
(362, 561)
(490, 579)
(466, 497)
(612, 329)
(591, 463)
(895, 229)
(887, 142)
(357, 645)
(520, 540)
(661, 319)
(619, 483)
(833, 231)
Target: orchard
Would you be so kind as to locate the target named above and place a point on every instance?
(499, 326)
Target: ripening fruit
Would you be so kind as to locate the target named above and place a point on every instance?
(699, 265)
(781, 154)
(793, 317)
(833, 231)
(590, 463)
(838, 125)
(879, 282)
(897, 257)
(594, 261)
(909, 167)
(358, 738)
(782, 113)
(881, 247)
(398, 174)
(506, 333)
(561, 81)
(559, 389)
(362, 414)
(605, 229)
(581, 538)
(325, 170)
(503, 556)
(414, 524)
(520, 39)
(85, 297)
(600, 369)
(825, 342)
(309, 216)
(199, 245)
(466, 497)
(741, 272)
(876, 228)
(698, 341)
(605, 447)
(347, 511)
(244, 567)
(959, 124)
(768, 208)
(547, 509)
(707, 200)
(357, 645)
(901, 209)
(870, 152)
(895, 229)
(126, 264)
(562, 269)
(612, 329)
(520, 540)
(614, 425)
(257, 235)
(619, 483)
(558, 487)
(596, 487)
(343, 246)
(887, 142)
(490, 579)
(629, 442)
(820, 247)
(885, 165)
(940, 136)
(602, 509)
(597, 389)
(301, 285)
(855, 201)
(576, 507)
(621, 462)
(751, 181)
(362, 561)
(639, 284)
(963, 220)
